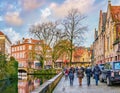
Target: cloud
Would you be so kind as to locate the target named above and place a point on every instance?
(12, 35)
(1, 18)
(13, 18)
(45, 14)
(31, 4)
(116, 2)
(62, 10)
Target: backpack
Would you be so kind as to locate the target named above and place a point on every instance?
(80, 73)
(97, 70)
(71, 73)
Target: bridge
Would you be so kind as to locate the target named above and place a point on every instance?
(25, 70)
(61, 64)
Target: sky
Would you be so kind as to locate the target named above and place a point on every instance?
(17, 16)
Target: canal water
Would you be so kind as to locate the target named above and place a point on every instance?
(25, 84)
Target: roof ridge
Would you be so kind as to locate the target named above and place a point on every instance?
(1, 33)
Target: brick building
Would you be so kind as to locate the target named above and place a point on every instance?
(107, 38)
(25, 52)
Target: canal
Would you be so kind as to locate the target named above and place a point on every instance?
(25, 84)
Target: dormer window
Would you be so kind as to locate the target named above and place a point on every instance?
(30, 47)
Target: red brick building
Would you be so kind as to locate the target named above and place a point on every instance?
(25, 52)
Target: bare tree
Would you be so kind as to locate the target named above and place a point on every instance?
(74, 29)
(60, 49)
(49, 33)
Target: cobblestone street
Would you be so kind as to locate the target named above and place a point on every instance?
(64, 87)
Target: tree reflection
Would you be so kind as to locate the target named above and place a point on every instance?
(25, 84)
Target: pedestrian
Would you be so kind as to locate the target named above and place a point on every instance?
(66, 73)
(71, 75)
(96, 72)
(80, 75)
(83, 68)
(88, 72)
(76, 70)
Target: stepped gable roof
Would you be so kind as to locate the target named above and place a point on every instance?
(104, 15)
(115, 12)
(1, 33)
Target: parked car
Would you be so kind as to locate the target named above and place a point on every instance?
(111, 73)
(101, 66)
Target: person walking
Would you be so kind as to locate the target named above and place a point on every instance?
(71, 75)
(66, 73)
(96, 72)
(76, 70)
(88, 72)
(80, 76)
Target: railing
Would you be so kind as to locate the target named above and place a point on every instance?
(48, 86)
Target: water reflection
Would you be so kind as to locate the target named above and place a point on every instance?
(25, 84)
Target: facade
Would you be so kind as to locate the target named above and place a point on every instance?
(99, 43)
(107, 40)
(25, 51)
(5, 44)
(81, 56)
(86, 56)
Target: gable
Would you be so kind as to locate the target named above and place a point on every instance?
(115, 12)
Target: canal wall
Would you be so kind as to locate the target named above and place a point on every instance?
(49, 85)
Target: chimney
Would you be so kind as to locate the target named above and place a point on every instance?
(109, 2)
(23, 40)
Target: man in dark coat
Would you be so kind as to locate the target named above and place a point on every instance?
(96, 72)
(71, 75)
(88, 72)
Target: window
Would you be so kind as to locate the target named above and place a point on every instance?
(20, 47)
(30, 47)
(20, 65)
(23, 47)
(13, 49)
(115, 58)
(108, 43)
(20, 55)
(15, 55)
(117, 65)
(110, 58)
(118, 57)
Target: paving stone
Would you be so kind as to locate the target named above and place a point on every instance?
(64, 87)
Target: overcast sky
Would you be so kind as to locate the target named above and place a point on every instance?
(16, 16)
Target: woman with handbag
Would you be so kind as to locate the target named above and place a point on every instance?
(80, 76)
(66, 74)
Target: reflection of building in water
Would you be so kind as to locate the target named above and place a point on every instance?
(23, 86)
(36, 83)
(28, 84)
(31, 85)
